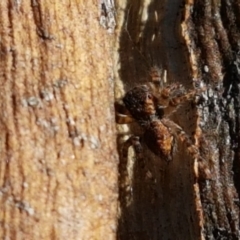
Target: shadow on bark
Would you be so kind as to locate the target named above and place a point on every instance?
(161, 198)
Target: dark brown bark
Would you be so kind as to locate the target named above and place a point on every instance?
(213, 33)
(195, 40)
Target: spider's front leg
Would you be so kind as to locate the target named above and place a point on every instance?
(172, 96)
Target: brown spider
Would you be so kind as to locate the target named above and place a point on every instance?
(151, 110)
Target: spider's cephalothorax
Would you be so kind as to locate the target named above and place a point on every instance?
(141, 103)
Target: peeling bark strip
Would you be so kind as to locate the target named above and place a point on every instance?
(58, 169)
(107, 15)
(191, 41)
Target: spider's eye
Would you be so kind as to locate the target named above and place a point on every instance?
(149, 96)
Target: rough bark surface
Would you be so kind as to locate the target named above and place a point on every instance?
(58, 171)
(212, 36)
(190, 40)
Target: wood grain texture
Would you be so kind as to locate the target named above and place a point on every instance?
(190, 40)
(58, 171)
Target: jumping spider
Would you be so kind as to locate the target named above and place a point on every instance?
(151, 110)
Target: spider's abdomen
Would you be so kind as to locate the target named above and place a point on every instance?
(159, 139)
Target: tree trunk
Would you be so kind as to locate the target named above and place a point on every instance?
(191, 41)
(57, 140)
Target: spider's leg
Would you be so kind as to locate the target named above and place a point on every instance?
(177, 99)
(122, 114)
(158, 76)
(166, 95)
(178, 133)
(203, 171)
(124, 119)
(125, 184)
(174, 95)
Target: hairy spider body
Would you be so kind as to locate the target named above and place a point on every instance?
(151, 110)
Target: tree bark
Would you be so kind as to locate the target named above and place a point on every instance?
(190, 40)
(58, 172)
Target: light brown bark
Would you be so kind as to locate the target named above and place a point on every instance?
(58, 175)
